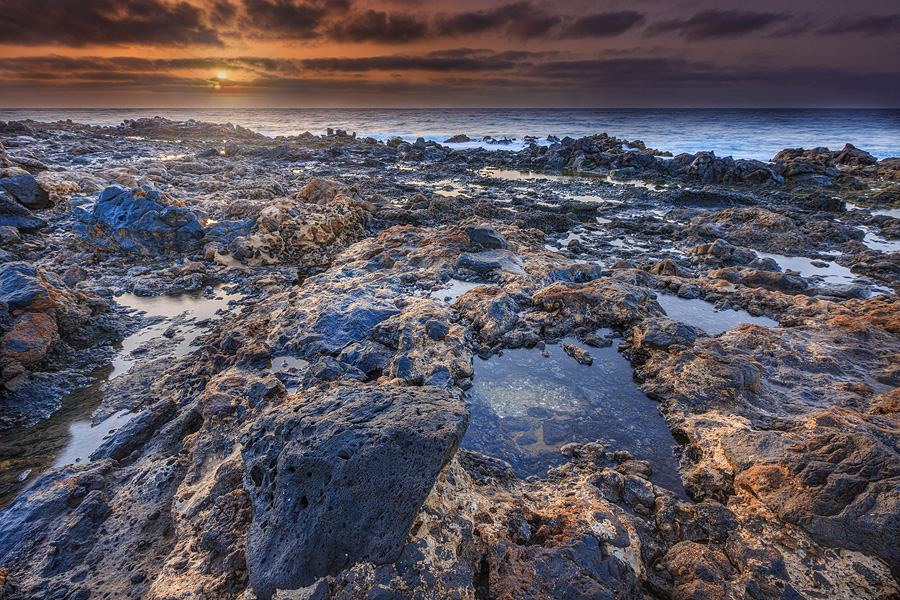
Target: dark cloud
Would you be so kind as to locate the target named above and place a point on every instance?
(295, 19)
(619, 71)
(466, 78)
(104, 22)
(98, 68)
(377, 26)
(222, 12)
(521, 20)
(607, 24)
(436, 63)
(866, 25)
(716, 24)
(663, 75)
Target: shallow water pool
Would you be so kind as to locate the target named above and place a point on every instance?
(702, 314)
(71, 434)
(526, 406)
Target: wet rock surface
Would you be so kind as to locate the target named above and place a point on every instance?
(301, 439)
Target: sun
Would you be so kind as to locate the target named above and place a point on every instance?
(223, 76)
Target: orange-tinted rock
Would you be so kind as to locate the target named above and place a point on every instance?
(29, 338)
(599, 302)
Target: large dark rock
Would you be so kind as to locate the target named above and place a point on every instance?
(491, 260)
(851, 155)
(339, 478)
(26, 190)
(145, 224)
(485, 238)
(662, 332)
(20, 287)
(13, 214)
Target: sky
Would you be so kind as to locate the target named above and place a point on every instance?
(465, 53)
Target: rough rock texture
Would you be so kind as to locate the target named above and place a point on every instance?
(13, 214)
(788, 436)
(599, 303)
(662, 333)
(307, 229)
(827, 460)
(140, 221)
(322, 471)
(26, 190)
(592, 530)
(38, 310)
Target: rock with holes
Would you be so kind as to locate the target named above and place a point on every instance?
(144, 224)
(339, 477)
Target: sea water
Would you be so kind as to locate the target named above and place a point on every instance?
(747, 133)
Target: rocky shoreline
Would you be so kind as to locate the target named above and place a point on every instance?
(306, 415)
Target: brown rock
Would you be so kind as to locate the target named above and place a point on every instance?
(29, 338)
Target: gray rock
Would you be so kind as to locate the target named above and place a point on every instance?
(576, 273)
(8, 235)
(26, 190)
(663, 332)
(368, 356)
(339, 478)
(19, 286)
(436, 330)
(845, 290)
(485, 238)
(578, 353)
(13, 214)
(349, 319)
(491, 260)
(144, 224)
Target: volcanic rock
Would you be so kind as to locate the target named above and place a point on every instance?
(340, 477)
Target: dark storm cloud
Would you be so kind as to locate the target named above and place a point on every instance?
(296, 19)
(716, 24)
(377, 26)
(609, 24)
(522, 20)
(866, 25)
(104, 22)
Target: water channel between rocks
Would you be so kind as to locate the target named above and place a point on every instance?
(702, 314)
(526, 406)
(72, 433)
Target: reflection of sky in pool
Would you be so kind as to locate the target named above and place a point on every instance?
(702, 314)
(526, 406)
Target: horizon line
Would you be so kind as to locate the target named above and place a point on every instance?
(454, 108)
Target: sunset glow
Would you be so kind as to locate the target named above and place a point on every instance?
(392, 53)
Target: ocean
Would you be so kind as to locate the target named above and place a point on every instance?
(748, 133)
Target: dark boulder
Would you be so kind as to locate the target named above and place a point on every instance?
(851, 155)
(458, 139)
(144, 224)
(26, 190)
(662, 332)
(20, 288)
(576, 273)
(339, 478)
(13, 214)
(346, 320)
(485, 238)
(491, 260)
